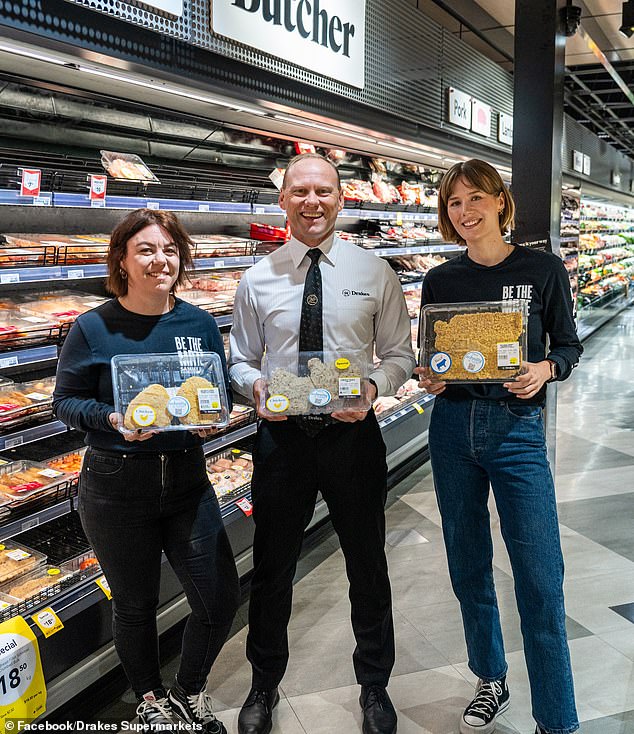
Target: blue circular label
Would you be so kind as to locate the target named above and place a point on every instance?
(440, 362)
(319, 397)
(473, 361)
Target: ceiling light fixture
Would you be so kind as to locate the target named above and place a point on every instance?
(627, 21)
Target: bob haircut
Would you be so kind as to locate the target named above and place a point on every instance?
(483, 177)
(133, 224)
(317, 156)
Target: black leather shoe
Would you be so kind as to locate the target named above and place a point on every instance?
(256, 714)
(379, 716)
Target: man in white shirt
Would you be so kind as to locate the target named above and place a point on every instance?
(362, 309)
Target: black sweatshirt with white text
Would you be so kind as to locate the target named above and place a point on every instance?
(83, 396)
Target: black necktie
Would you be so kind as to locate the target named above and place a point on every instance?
(311, 336)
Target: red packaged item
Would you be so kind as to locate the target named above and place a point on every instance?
(267, 232)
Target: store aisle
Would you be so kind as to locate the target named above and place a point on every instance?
(431, 682)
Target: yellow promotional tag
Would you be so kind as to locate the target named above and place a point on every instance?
(418, 408)
(22, 687)
(103, 584)
(342, 363)
(47, 621)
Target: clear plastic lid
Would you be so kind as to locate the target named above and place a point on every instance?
(170, 392)
(7, 601)
(474, 342)
(21, 479)
(85, 565)
(16, 559)
(60, 306)
(126, 166)
(35, 582)
(315, 383)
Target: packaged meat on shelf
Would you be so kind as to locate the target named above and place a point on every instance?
(17, 559)
(230, 472)
(35, 582)
(21, 480)
(21, 330)
(127, 166)
(22, 403)
(62, 306)
(70, 462)
(408, 393)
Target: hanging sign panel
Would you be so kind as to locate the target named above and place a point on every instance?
(325, 36)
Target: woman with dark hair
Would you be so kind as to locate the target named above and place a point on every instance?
(485, 435)
(142, 494)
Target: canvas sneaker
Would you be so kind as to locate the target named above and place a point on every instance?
(154, 711)
(491, 699)
(196, 709)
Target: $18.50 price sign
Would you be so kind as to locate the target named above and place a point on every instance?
(22, 688)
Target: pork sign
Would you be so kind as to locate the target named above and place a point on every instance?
(325, 36)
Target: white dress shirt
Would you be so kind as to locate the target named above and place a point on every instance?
(363, 309)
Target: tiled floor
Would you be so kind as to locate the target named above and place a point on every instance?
(431, 682)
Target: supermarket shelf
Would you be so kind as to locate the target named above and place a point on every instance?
(417, 249)
(416, 406)
(28, 435)
(224, 320)
(28, 356)
(416, 286)
(216, 263)
(37, 518)
(229, 438)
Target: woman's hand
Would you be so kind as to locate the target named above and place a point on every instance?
(528, 384)
(116, 421)
(428, 381)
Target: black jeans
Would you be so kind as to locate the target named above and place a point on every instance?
(346, 463)
(133, 507)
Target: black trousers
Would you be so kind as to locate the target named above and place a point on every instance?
(346, 463)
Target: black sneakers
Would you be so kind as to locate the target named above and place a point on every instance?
(492, 698)
(154, 711)
(195, 709)
(379, 716)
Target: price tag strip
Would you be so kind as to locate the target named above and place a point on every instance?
(48, 621)
(22, 687)
(103, 584)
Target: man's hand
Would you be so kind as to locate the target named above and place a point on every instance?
(428, 381)
(259, 390)
(353, 416)
(531, 381)
(116, 421)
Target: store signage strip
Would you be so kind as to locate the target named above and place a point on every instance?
(325, 36)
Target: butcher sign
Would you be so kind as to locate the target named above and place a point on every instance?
(325, 36)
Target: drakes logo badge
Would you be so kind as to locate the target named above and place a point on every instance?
(345, 292)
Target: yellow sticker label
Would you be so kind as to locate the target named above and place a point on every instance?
(418, 408)
(53, 571)
(103, 584)
(2, 546)
(278, 403)
(342, 363)
(23, 695)
(144, 415)
(48, 621)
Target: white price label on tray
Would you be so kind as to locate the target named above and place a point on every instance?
(9, 361)
(33, 319)
(209, 400)
(98, 203)
(349, 387)
(508, 355)
(37, 396)
(219, 263)
(42, 201)
(11, 443)
(9, 277)
(73, 274)
(203, 207)
(153, 205)
(51, 473)
(18, 554)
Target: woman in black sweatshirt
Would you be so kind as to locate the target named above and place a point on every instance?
(485, 435)
(142, 494)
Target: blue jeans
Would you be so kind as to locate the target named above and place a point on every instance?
(133, 507)
(474, 443)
